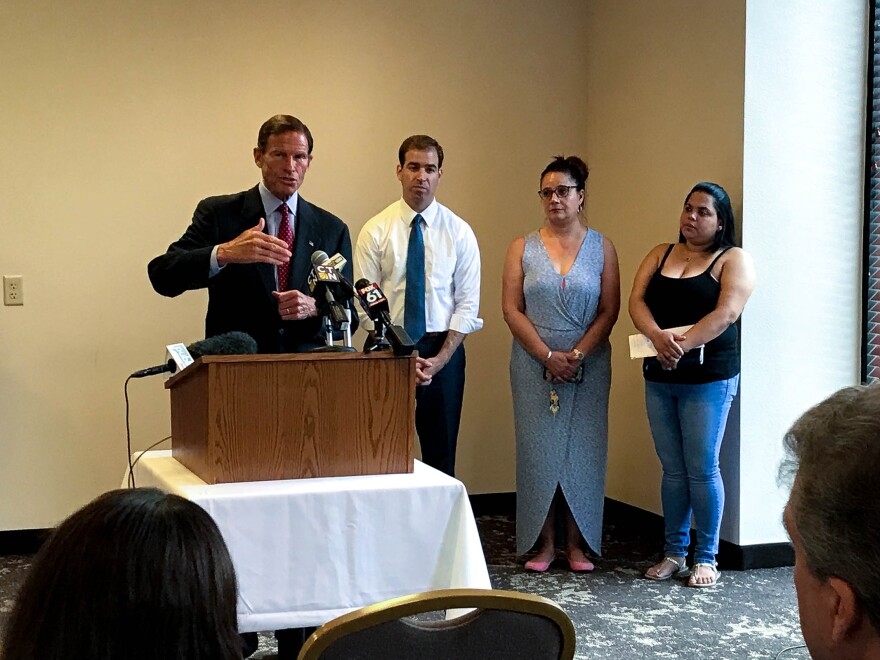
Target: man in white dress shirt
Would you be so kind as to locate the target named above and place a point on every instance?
(427, 262)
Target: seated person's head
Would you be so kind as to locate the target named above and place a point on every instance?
(833, 518)
(135, 575)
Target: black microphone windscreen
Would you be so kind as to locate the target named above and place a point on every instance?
(319, 257)
(230, 343)
(361, 283)
(400, 340)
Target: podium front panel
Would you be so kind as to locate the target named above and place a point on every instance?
(255, 418)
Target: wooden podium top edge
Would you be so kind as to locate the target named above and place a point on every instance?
(280, 357)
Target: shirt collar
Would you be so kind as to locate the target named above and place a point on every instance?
(429, 215)
(271, 203)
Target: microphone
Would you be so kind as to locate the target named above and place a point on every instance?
(229, 343)
(336, 262)
(158, 369)
(180, 356)
(373, 301)
(326, 278)
(375, 304)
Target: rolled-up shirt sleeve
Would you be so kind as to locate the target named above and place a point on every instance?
(466, 284)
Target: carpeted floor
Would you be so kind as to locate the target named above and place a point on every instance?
(616, 612)
(619, 614)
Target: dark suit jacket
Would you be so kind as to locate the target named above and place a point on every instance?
(240, 295)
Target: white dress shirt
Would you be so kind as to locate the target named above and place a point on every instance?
(452, 265)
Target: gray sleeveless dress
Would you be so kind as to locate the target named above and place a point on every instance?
(569, 448)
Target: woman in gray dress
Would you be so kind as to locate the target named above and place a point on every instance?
(561, 297)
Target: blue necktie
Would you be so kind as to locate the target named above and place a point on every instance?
(414, 302)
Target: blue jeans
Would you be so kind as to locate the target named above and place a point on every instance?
(687, 422)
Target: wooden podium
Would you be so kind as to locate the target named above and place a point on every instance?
(263, 417)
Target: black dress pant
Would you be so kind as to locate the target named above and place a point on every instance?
(291, 640)
(438, 406)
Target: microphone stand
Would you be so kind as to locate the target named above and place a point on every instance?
(380, 343)
(329, 328)
(346, 328)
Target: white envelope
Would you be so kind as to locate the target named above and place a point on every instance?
(641, 347)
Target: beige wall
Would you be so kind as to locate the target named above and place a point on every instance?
(118, 117)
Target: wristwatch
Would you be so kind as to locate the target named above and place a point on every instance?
(577, 353)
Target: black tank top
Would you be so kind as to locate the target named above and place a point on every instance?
(683, 301)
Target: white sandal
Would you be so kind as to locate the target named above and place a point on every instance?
(692, 581)
(680, 569)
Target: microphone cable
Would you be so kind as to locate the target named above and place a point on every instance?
(141, 455)
(131, 464)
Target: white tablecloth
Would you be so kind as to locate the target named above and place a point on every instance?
(308, 550)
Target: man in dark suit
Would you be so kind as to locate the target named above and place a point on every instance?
(252, 249)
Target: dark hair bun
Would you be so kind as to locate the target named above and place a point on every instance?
(573, 166)
(579, 166)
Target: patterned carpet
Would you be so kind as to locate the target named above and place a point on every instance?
(616, 612)
(619, 614)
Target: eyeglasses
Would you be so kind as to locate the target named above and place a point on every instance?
(561, 192)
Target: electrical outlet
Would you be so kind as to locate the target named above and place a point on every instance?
(13, 293)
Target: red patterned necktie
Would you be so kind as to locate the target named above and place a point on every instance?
(285, 233)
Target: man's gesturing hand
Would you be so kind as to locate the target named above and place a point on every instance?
(253, 246)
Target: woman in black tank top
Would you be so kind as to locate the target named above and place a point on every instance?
(686, 299)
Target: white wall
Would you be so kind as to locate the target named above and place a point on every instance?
(802, 207)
